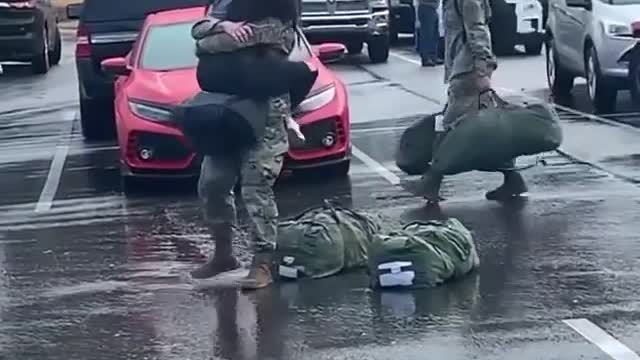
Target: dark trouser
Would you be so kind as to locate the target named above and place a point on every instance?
(428, 34)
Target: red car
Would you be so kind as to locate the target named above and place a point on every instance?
(159, 73)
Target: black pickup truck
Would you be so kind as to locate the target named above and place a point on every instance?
(29, 33)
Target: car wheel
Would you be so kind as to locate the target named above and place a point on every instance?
(560, 81)
(95, 121)
(56, 52)
(341, 169)
(634, 78)
(40, 62)
(355, 48)
(602, 94)
(533, 47)
(378, 48)
(131, 185)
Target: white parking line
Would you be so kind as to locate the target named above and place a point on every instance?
(376, 166)
(607, 343)
(55, 170)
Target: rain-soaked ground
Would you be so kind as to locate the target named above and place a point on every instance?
(88, 273)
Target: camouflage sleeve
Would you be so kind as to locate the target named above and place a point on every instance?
(270, 32)
(474, 16)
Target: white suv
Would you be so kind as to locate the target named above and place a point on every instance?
(591, 39)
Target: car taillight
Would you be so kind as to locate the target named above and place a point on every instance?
(83, 47)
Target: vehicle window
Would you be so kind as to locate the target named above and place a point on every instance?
(168, 47)
(111, 10)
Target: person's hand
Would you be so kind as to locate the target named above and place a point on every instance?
(239, 31)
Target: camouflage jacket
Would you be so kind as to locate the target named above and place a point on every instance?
(467, 38)
(271, 32)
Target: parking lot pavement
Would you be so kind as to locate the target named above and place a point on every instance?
(88, 272)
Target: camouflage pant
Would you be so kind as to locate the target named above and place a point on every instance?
(256, 172)
(464, 96)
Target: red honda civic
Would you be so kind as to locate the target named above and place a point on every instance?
(160, 73)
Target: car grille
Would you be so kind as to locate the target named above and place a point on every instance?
(316, 131)
(325, 7)
(16, 22)
(164, 147)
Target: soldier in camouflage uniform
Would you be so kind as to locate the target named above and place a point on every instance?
(469, 64)
(254, 174)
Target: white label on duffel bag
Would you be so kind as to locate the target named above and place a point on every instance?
(288, 272)
(396, 276)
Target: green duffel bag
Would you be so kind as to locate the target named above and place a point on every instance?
(422, 255)
(324, 241)
(489, 138)
(415, 147)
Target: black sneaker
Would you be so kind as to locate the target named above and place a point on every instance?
(428, 63)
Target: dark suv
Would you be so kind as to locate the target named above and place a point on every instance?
(29, 32)
(108, 29)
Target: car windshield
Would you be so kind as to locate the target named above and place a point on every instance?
(170, 47)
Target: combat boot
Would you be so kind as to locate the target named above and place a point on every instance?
(512, 186)
(222, 259)
(431, 182)
(260, 274)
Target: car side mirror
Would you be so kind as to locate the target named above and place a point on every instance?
(585, 4)
(330, 52)
(115, 66)
(74, 11)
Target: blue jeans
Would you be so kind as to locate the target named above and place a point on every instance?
(428, 34)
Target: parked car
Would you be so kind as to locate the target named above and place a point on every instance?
(160, 73)
(29, 33)
(513, 22)
(107, 28)
(351, 22)
(594, 40)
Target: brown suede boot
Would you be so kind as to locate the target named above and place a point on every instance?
(513, 186)
(260, 274)
(222, 259)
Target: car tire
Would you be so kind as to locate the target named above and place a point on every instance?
(503, 27)
(95, 124)
(355, 48)
(559, 79)
(378, 49)
(40, 62)
(634, 77)
(56, 53)
(340, 169)
(533, 47)
(602, 93)
(131, 185)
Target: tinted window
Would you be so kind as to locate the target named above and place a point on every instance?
(110, 10)
(168, 47)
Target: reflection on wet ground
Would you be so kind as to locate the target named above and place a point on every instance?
(101, 275)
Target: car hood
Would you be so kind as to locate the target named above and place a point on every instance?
(175, 86)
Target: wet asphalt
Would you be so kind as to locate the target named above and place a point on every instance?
(95, 274)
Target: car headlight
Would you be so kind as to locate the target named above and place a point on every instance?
(378, 3)
(616, 28)
(317, 99)
(150, 112)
